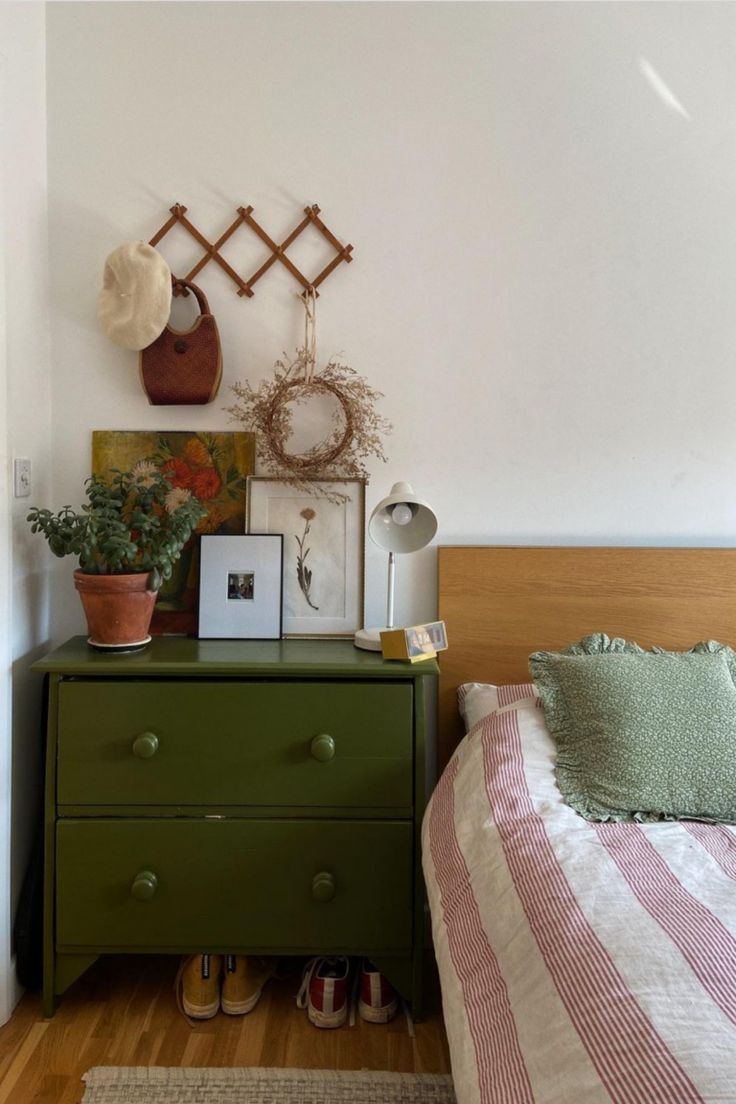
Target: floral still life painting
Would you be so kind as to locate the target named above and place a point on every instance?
(323, 551)
(213, 467)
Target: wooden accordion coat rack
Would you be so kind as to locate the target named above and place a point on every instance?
(278, 252)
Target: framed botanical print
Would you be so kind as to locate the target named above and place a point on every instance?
(323, 551)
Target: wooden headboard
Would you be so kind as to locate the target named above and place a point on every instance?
(501, 604)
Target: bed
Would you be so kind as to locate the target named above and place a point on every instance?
(579, 961)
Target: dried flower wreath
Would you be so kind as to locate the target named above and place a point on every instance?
(356, 431)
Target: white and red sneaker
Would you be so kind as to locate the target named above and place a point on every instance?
(378, 1000)
(324, 991)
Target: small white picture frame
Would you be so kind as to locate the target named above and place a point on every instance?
(241, 587)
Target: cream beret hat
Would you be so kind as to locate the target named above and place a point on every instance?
(135, 302)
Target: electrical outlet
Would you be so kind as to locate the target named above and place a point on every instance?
(22, 478)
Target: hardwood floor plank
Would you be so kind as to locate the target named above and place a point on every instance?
(13, 1034)
(51, 1089)
(22, 1057)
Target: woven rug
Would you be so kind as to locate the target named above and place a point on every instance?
(153, 1085)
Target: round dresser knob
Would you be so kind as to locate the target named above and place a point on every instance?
(322, 748)
(323, 886)
(146, 745)
(144, 885)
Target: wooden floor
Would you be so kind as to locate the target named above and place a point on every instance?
(123, 1013)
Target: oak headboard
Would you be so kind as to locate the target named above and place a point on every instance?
(502, 603)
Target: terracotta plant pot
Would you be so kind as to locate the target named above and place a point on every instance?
(118, 608)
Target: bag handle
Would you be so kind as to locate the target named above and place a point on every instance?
(199, 295)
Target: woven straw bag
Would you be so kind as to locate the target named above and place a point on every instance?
(184, 367)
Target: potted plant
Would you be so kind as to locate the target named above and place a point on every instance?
(128, 537)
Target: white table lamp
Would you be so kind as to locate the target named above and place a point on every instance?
(400, 523)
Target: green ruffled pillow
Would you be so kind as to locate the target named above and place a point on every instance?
(642, 735)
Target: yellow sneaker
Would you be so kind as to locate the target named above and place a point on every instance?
(198, 986)
(243, 979)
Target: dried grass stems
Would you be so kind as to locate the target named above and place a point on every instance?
(356, 432)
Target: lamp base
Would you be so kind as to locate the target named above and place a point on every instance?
(368, 639)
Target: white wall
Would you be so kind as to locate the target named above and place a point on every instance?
(544, 283)
(25, 421)
(6, 684)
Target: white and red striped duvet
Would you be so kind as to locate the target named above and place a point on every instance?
(579, 962)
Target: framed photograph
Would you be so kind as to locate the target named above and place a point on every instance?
(241, 587)
(323, 552)
(214, 466)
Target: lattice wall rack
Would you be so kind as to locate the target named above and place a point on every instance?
(278, 252)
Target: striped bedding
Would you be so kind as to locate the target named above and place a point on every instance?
(579, 962)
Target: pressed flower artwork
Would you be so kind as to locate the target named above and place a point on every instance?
(323, 551)
(314, 583)
(304, 573)
(212, 466)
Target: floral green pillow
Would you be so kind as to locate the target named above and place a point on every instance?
(642, 735)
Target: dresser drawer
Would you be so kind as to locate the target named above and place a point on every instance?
(305, 744)
(298, 886)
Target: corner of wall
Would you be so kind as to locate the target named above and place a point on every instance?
(25, 430)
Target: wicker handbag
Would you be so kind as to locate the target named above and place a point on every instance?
(184, 367)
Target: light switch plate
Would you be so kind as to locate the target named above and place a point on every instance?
(22, 478)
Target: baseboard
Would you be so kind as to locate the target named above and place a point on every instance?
(11, 991)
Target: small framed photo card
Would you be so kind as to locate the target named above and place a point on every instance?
(323, 550)
(241, 587)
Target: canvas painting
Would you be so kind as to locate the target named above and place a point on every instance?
(213, 466)
(323, 553)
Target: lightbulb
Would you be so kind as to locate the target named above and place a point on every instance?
(401, 514)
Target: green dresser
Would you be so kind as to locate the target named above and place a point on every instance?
(243, 796)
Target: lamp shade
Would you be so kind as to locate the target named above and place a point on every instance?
(401, 522)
